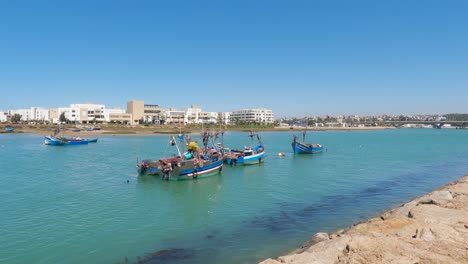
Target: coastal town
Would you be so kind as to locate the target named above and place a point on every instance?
(137, 112)
(141, 113)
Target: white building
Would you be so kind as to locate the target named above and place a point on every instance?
(224, 117)
(260, 115)
(195, 115)
(117, 115)
(3, 116)
(32, 114)
(174, 116)
(192, 115)
(88, 113)
(79, 113)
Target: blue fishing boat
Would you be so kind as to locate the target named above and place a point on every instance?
(301, 147)
(192, 164)
(62, 141)
(249, 155)
(9, 129)
(91, 140)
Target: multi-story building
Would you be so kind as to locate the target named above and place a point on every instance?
(193, 115)
(32, 114)
(117, 115)
(174, 116)
(145, 113)
(87, 113)
(260, 116)
(223, 117)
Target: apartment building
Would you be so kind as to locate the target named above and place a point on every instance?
(174, 116)
(260, 116)
(89, 113)
(145, 113)
(32, 114)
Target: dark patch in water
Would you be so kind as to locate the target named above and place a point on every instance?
(372, 191)
(312, 210)
(274, 223)
(172, 255)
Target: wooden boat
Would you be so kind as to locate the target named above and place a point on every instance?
(250, 155)
(193, 164)
(301, 147)
(62, 141)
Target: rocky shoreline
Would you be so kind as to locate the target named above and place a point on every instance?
(432, 228)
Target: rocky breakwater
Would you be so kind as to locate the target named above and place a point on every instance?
(429, 229)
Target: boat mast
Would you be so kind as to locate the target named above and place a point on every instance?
(174, 143)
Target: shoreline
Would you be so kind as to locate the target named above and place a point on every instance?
(156, 131)
(432, 228)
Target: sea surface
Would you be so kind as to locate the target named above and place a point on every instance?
(86, 204)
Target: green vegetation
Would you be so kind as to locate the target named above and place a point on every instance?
(62, 117)
(16, 118)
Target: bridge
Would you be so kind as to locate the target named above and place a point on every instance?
(435, 124)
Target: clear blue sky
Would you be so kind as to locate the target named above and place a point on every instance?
(296, 57)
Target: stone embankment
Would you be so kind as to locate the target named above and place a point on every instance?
(429, 229)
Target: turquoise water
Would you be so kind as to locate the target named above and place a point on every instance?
(74, 205)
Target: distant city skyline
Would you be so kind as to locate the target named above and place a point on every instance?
(300, 58)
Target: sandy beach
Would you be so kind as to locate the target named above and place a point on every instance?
(107, 130)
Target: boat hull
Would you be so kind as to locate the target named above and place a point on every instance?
(181, 169)
(254, 159)
(54, 141)
(301, 148)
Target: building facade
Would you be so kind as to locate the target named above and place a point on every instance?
(117, 115)
(3, 116)
(145, 113)
(89, 114)
(256, 116)
(36, 114)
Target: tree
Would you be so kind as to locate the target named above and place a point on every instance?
(16, 118)
(62, 117)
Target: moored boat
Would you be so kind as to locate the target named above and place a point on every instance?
(250, 155)
(193, 164)
(62, 141)
(301, 147)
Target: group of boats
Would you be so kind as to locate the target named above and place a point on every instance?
(193, 162)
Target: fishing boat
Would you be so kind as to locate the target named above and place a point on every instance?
(249, 155)
(9, 129)
(56, 140)
(63, 141)
(301, 147)
(192, 164)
